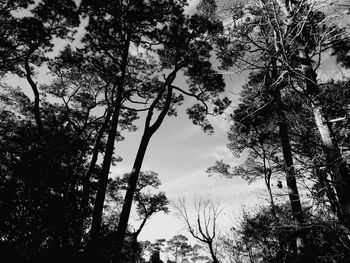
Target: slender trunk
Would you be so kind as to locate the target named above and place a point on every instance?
(290, 171)
(272, 203)
(103, 180)
(147, 134)
(84, 205)
(136, 234)
(267, 177)
(293, 192)
(212, 252)
(331, 196)
(124, 216)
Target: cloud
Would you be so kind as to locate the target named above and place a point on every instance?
(198, 183)
(119, 169)
(184, 134)
(122, 168)
(234, 195)
(221, 152)
(221, 123)
(192, 4)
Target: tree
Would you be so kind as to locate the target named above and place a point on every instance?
(147, 202)
(299, 40)
(40, 182)
(154, 248)
(204, 227)
(279, 38)
(195, 253)
(262, 238)
(129, 24)
(155, 257)
(187, 50)
(178, 247)
(253, 132)
(339, 171)
(31, 39)
(257, 127)
(9, 57)
(78, 85)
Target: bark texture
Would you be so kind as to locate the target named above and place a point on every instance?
(335, 163)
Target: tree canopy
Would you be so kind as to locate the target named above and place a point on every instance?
(76, 77)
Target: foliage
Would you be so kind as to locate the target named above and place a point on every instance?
(147, 202)
(155, 258)
(265, 237)
(127, 62)
(40, 179)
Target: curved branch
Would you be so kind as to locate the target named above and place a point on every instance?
(34, 87)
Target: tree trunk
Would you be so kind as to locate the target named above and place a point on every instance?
(286, 8)
(267, 178)
(137, 233)
(293, 193)
(322, 177)
(339, 170)
(84, 205)
(147, 134)
(129, 196)
(272, 202)
(134, 237)
(103, 180)
(212, 253)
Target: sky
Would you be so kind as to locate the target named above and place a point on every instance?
(180, 153)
